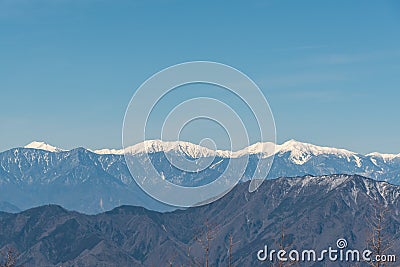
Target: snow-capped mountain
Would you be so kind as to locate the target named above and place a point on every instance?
(265, 149)
(91, 181)
(43, 146)
(154, 146)
(188, 149)
(291, 158)
(385, 157)
(300, 152)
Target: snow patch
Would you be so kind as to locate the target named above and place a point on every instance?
(43, 146)
(106, 151)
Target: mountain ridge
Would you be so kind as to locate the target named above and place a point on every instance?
(85, 181)
(269, 148)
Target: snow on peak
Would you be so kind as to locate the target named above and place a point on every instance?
(385, 157)
(106, 151)
(153, 146)
(43, 146)
(300, 152)
(265, 148)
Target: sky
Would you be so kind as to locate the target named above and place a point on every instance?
(329, 69)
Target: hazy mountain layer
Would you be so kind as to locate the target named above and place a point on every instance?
(91, 182)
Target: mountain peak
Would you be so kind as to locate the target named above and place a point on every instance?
(383, 156)
(301, 152)
(265, 148)
(43, 146)
(152, 146)
(293, 145)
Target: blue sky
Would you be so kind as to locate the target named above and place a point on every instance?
(329, 69)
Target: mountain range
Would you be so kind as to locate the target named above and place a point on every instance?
(93, 181)
(309, 212)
